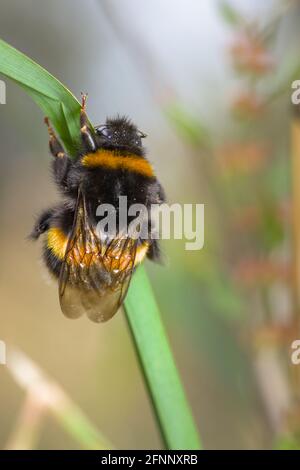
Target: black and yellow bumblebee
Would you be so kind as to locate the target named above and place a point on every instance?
(94, 270)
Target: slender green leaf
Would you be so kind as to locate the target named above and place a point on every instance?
(55, 100)
(169, 401)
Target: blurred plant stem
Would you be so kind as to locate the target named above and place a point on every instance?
(27, 428)
(43, 394)
(282, 384)
(295, 173)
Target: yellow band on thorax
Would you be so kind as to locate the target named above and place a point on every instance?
(113, 161)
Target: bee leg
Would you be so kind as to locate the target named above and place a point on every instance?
(42, 224)
(156, 197)
(55, 146)
(154, 252)
(61, 162)
(87, 134)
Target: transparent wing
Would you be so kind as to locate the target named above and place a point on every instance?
(95, 273)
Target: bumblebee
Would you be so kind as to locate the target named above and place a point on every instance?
(94, 269)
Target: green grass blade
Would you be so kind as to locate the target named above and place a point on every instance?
(55, 100)
(169, 401)
(171, 406)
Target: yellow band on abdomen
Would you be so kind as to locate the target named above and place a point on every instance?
(57, 242)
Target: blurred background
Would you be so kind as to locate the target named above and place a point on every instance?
(210, 83)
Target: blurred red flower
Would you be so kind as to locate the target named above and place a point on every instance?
(242, 157)
(247, 104)
(251, 272)
(249, 55)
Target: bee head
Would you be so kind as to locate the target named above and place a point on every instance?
(121, 134)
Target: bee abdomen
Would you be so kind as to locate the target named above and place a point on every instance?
(54, 249)
(53, 263)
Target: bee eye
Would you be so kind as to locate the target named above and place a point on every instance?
(106, 132)
(138, 141)
(103, 131)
